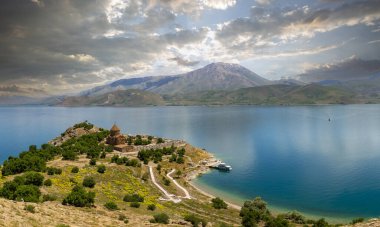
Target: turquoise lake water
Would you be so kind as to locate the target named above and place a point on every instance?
(293, 157)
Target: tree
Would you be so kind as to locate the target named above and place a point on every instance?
(218, 203)
(195, 221)
(92, 161)
(79, 197)
(135, 204)
(160, 218)
(253, 212)
(48, 182)
(75, 169)
(151, 207)
(133, 198)
(27, 193)
(321, 223)
(89, 182)
(101, 169)
(33, 178)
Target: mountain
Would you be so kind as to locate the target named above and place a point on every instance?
(132, 97)
(215, 76)
(278, 94)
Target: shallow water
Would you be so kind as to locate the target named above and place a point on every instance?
(293, 157)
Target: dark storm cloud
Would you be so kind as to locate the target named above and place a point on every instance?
(349, 69)
(65, 41)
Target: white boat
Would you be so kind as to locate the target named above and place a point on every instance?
(223, 166)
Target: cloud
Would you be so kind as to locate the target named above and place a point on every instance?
(348, 69)
(264, 2)
(374, 41)
(184, 62)
(219, 4)
(271, 25)
(66, 45)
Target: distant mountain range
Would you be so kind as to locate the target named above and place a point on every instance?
(215, 76)
(219, 84)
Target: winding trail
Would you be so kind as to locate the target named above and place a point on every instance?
(187, 195)
(169, 196)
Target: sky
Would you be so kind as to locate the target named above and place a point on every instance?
(64, 46)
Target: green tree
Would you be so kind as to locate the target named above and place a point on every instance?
(33, 178)
(218, 203)
(88, 182)
(253, 212)
(48, 182)
(75, 169)
(101, 169)
(27, 193)
(160, 218)
(79, 197)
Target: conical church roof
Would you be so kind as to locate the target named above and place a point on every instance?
(115, 128)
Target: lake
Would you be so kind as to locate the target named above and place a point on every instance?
(293, 157)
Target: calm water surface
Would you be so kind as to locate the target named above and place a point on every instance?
(293, 157)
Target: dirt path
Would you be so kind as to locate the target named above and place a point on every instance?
(169, 196)
(187, 195)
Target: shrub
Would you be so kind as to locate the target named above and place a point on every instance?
(103, 155)
(79, 197)
(33, 178)
(166, 181)
(145, 176)
(253, 212)
(321, 223)
(75, 169)
(92, 161)
(88, 182)
(180, 160)
(160, 140)
(30, 208)
(135, 204)
(195, 221)
(69, 155)
(357, 220)
(133, 198)
(48, 197)
(111, 206)
(218, 203)
(122, 217)
(294, 217)
(27, 193)
(160, 218)
(101, 169)
(48, 182)
(126, 221)
(159, 167)
(277, 222)
(151, 207)
(52, 171)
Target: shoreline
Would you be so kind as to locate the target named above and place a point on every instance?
(274, 210)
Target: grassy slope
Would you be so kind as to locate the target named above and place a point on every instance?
(117, 181)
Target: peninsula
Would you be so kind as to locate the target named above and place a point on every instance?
(89, 176)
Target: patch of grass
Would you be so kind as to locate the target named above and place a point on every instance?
(111, 206)
(30, 208)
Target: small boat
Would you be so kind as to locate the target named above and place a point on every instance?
(223, 166)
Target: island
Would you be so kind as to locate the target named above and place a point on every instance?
(90, 176)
